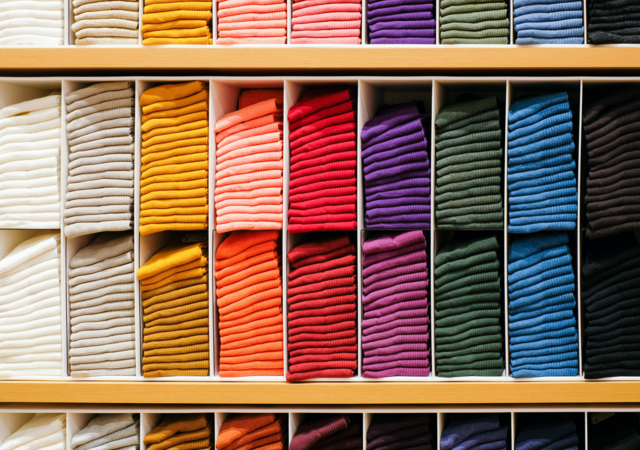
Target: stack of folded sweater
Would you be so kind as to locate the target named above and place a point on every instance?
(180, 22)
(475, 430)
(397, 174)
(395, 328)
(469, 165)
(39, 23)
(543, 339)
(249, 164)
(322, 138)
(43, 431)
(401, 22)
(249, 299)
(621, 431)
(109, 431)
(31, 308)
(264, 431)
(328, 431)
(541, 22)
(326, 22)
(611, 276)
(101, 298)
(30, 164)
(175, 298)
(542, 180)
(175, 142)
(322, 309)
(611, 121)
(468, 309)
(100, 121)
(395, 431)
(102, 22)
(472, 22)
(252, 22)
(613, 22)
(192, 431)
(545, 431)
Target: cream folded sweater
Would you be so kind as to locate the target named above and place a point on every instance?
(102, 425)
(44, 427)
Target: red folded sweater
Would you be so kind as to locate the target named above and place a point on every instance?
(321, 134)
(326, 112)
(322, 266)
(322, 168)
(323, 219)
(325, 275)
(321, 294)
(345, 334)
(348, 208)
(310, 227)
(309, 367)
(322, 123)
(325, 201)
(322, 343)
(330, 318)
(326, 159)
(333, 328)
(318, 247)
(328, 373)
(340, 147)
(341, 304)
(321, 185)
(322, 194)
(316, 99)
(325, 141)
(323, 351)
(320, 358)
(349, 174)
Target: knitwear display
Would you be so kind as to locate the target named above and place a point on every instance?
(252, 22)
(177, 22)
(400, 431)
(547, 431)
(322, 331)
(101, 297)
(43, 431)
(613, 22)
(469, 149)
(328, 432)
(249, 164)
(182, 431)
(174, 185)
(396, 325)
(326, 22)
(401, 22)
(109, 432)
(395, 161)
(474, 22)
(249, 299)
(611, 121)
(475, 431)
(610, 280)
(30, 163)
(106, 22)
(264, 431)
(322, 178)
(38, 23)
(621, 431)
(542, 186)
(543, 335)
(31, 309)
(542, 22)
(175, 301)
(100, 180)
(468, 309)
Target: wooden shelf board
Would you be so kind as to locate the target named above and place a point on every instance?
(365, 58)
(347, 393)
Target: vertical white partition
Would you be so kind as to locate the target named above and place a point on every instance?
(76, 421)
(148, 421)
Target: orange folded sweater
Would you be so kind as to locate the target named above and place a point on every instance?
(254, 111)
(249, 311)
(238, 426)
(249, 124)
(250, 269)
(250, 97)
(264, 246)
(264, 313)
(240, 241)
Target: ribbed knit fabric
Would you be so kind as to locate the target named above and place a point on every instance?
(249, 299)
(328, 431)
(468, 303)
(102, 173)
(542, 431)
(609, 286)
(610, 123)
(105, 267)
(543, 337)
(30, 164)
(251, 431)
(249, 158)
(252, 22)
(613, 22)
(401, 22)
(322, 309)
(192, 431)
(109, 431)
(467, 22)
(537, 22)
(469, 164)
(177, 23)
(106, 22)
(618, 432)
(388, 431)
(396, 344)
(322, 139)
(314, 22)
(464, 431)
(44, 430)
(36, 23)
(174, 181)
(175, 301)
(403, 152)
(541, 180)
(30, 309)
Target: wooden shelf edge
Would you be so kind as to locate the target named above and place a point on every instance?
(365, 58)
(338, 393)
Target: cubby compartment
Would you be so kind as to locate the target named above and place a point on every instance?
(549, 426)
(488, 426)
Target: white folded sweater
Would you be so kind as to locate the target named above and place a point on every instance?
(42, 426)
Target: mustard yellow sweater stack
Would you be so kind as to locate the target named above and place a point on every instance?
(182, 432)
(177, 22)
